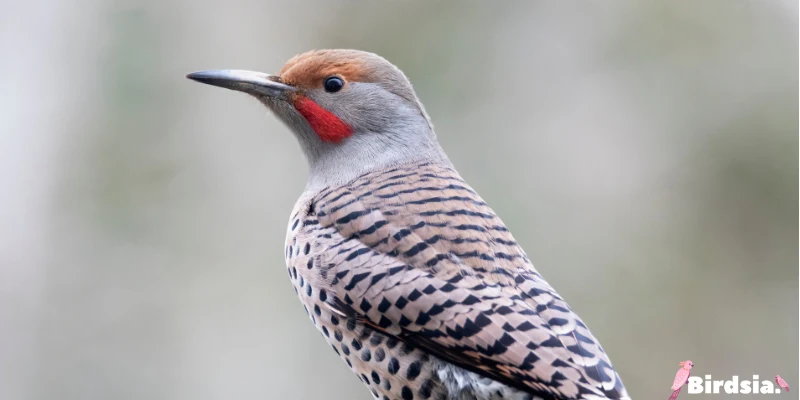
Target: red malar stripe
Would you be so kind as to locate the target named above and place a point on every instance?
(327, 126)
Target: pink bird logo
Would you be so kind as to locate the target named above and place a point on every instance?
(681, 378)
(782, 383)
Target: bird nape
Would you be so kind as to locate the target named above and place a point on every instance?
(408, 274)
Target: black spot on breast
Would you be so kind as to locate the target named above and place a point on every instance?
(380, 354)
(393, 366)
(407, 348)
(426, 387)
(413, 370)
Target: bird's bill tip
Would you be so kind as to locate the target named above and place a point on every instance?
(255, 83)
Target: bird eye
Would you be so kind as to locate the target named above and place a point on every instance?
(333, 84)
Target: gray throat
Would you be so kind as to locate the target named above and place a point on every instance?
(337, 164)
(388, 131)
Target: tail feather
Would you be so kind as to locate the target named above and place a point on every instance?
(675, 393)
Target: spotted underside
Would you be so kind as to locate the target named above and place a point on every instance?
(423, 291)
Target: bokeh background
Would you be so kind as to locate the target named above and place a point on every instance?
(644, 153)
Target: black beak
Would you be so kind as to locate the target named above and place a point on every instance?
(255, 83)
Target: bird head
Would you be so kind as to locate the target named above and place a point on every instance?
(352, 111)
(686, 364)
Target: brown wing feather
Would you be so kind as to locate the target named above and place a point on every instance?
(418, 254)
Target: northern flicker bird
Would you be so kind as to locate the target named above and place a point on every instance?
(408, 274)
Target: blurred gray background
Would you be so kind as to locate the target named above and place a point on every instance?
(644, 153)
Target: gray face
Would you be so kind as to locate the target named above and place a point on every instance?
(386, 126)
(369, 108)
(389, 125)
